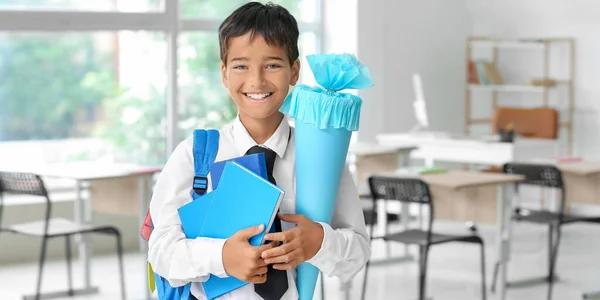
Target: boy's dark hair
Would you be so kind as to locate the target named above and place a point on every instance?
(273, 22)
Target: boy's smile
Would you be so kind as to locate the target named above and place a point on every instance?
(259, 97)
(258, 76)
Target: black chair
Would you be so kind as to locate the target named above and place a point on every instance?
(412, 190)
(547, 176)
(31, 184)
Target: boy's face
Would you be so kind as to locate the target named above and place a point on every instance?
(258, 76)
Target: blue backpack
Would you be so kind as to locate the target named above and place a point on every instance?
(205, 147)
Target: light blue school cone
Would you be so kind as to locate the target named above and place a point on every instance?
(325, 119)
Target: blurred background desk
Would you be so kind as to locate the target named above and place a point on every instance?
(446, 186)
(114, 188)
(435, 146)
(364, 159)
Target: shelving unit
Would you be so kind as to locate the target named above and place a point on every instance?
(542, 45)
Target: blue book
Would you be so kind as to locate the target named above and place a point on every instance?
(193, 214)
(254, 162)
(242, 200)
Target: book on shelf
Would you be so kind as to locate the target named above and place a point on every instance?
(472, 76)
(483, 73)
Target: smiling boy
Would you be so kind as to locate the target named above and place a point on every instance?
(259, 63)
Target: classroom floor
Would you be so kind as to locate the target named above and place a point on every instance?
(453, 270)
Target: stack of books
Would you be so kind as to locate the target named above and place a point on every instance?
(242, 197)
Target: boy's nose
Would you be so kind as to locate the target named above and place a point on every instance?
(258, 78)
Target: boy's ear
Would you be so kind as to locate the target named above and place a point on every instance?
(224, 75)
(295, 72)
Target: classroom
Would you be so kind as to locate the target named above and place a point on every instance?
(471, 158)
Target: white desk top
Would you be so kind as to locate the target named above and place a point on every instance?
(454, 179)
(583, 168)
(469, 149)
(425, 138)
(366, 148)
(465, 179)
(88, 170)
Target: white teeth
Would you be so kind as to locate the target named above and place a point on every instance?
(258, 96)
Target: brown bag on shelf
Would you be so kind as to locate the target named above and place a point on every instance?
(528, 122)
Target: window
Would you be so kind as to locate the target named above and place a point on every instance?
(83, 5)
(81, 96)
(79, 86)
(203, 100)
(304, 10)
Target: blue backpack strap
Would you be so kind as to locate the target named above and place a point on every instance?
(206, 145)
(204, 149)
(185, 294)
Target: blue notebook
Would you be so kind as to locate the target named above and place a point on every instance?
(254, 162)
(193, 214)
(242, 200)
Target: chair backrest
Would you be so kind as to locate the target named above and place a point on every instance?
(540, 175)
(536, 174)
(23, 184)
(408, 190)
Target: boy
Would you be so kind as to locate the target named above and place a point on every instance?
(259, 63)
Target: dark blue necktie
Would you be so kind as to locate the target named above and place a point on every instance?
(277, 283)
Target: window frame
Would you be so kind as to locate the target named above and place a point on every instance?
(168, 21)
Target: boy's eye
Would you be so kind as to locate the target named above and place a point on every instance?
(273, 66)
(240, 67)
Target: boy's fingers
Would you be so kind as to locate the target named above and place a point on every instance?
(285, 258)
(258, 279)
(261, 263)
(292, 218)
(261, 271)
(262, 248)
(284, 267)
(250, 232)
(279, 251)
(284, 236)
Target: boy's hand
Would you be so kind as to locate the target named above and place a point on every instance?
(242, 260)
(301, 243)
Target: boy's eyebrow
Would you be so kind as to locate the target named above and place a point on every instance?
(240, 59)
(273, 58)
(264, 58)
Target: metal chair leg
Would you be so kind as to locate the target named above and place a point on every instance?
(550, 247)
(423, 271)
(553, 262)
(41, 268)
(495, 276)
(121, 268)
(69, 269)
(364, 287)
(483, 281)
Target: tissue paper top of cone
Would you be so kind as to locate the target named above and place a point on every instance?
(326, 106)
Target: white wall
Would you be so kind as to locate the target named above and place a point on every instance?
(399, 37)
(340, 26)
(554, 18)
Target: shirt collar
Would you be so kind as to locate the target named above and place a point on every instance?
(278, 142)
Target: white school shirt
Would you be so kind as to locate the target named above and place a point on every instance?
(344, 251)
